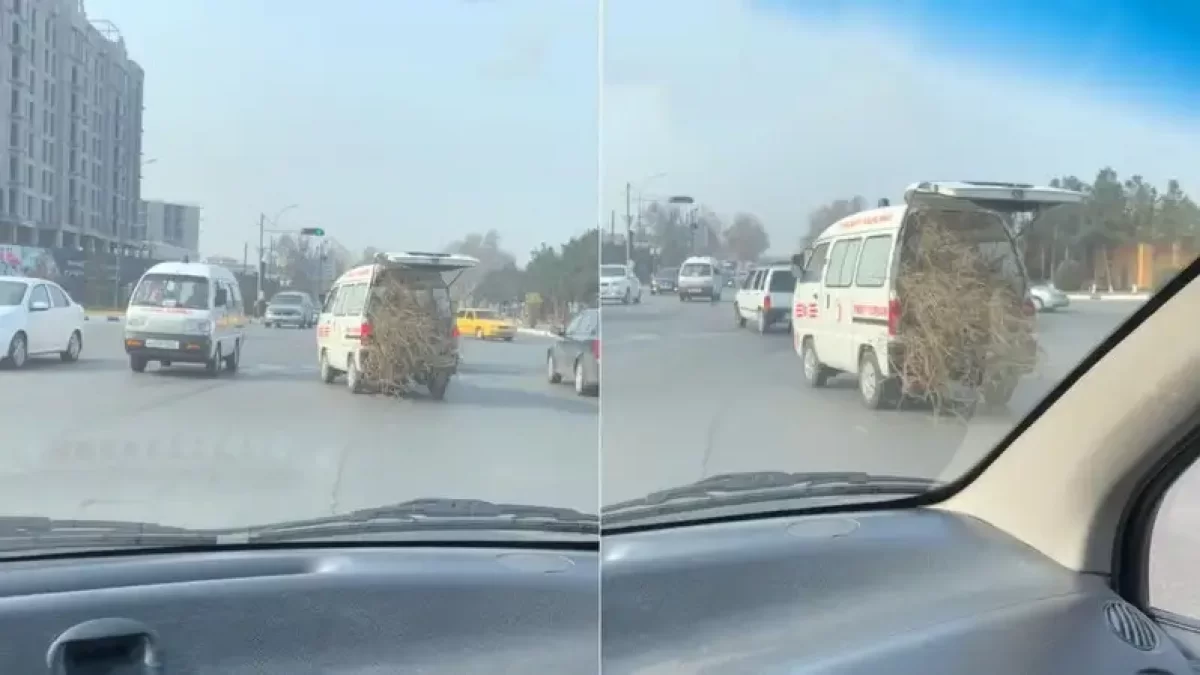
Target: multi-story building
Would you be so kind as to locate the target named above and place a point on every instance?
(71, 102)
(166, 230)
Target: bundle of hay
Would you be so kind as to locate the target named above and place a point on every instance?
(964, 330)
(406, 337)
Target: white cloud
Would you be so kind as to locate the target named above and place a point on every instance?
(746, 110)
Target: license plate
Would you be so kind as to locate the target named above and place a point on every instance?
(162, 344)
(695, 291)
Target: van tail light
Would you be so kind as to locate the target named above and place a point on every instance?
(766, 303)
(596, 349)
(1028, 308)
(893, 316)
(454, 332)
(365, 331)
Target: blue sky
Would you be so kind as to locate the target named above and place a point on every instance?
(409, 123)
(392, 123)
(777, 106)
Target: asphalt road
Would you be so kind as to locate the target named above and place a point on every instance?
(273, 442)
(688, 395)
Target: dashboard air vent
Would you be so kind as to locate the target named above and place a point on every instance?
(1131, 626)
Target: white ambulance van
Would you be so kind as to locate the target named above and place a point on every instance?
(344, 326)
(846, 306)
(186, 312)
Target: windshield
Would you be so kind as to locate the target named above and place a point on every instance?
(194, 402)
(914, 339)
(608, 271)
(11, 293)
(171, 290)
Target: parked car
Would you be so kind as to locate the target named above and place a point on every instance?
(1047, 298)
(291, 308)
(576, 353)
(665, 280)
(37, 318)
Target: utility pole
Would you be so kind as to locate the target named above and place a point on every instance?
(262, 223)
(628, 225)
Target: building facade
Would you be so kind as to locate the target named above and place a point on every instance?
(72, 108)
(167, 230)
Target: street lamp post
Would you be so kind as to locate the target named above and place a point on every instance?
(629, 212)
(262, 222)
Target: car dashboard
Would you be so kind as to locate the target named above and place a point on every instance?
(432, 609)
(914, 591)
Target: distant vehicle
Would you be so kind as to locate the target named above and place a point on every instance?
(291, 308)
(700, 277)
(37, 317)
(344, 328)
(1047, 298)
(846, 314)
(485, 324)
(664, 281)
(765, 297)
(577, 353)
(186, 312)
(619, 283)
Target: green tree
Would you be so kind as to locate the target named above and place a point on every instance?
(746, 239)
(821, 218)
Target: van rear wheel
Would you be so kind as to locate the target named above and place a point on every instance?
(354, 379)
(438, 382)
(815, 374)
(874, 389)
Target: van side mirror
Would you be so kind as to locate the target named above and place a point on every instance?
(221, 299)
(800, 260)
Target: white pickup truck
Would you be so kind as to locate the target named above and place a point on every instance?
(765, 297)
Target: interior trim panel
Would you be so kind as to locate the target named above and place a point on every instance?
(915, 591)
(299, 611)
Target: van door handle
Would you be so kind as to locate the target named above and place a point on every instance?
(815, 296)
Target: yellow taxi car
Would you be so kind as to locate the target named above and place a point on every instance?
(485, 324)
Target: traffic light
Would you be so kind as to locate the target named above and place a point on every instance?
(312, 232)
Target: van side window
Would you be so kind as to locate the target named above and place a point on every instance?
(356, 300)
(842, 263)
(343, 296)
(873, 263)
(816, 264)
(331, 299)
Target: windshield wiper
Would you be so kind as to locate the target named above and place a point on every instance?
(751, 486)
(19, 533)
(432, 515)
